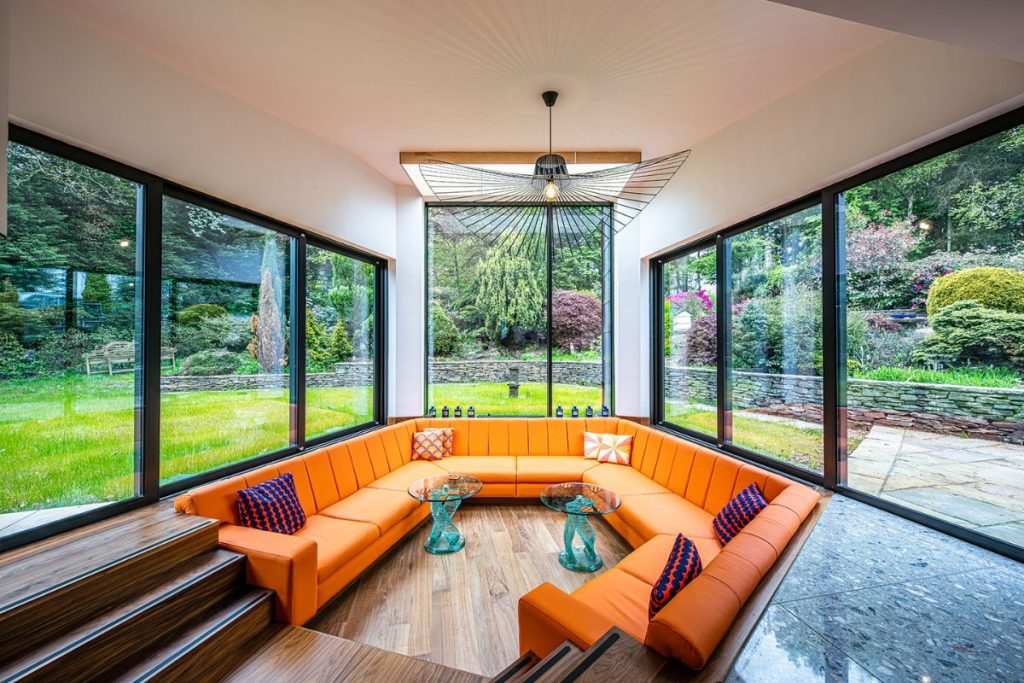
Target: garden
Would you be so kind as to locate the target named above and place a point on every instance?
(934, 315)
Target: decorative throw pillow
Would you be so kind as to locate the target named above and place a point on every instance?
(682, 567)
(591, 445)
(615, 448)
(433, 443)
(738, 512)
(272, 506)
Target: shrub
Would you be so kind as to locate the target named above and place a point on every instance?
(997, 288)
(702, 341)
(319, 353)
(444, 335)
(576, 321)
(968, 333)
(12, 317)
(340, 347)
(779, 334)
(12, 355)
(197, 313)
(206, 363)
(61, 353)
(211, 334)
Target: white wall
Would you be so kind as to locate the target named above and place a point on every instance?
(4, 73)
(70, 82)
(904, 93)
(407, 399)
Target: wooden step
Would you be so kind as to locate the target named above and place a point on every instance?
(298, 654)
(617, 656)
(554, 667)
(517, 670)
(50, 587)
(110, 638)
(209, 648)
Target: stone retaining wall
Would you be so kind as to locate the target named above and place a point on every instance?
(941, 408)
(579, 373)
(344, 375)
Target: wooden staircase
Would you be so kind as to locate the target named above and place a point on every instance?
(143, 596)
(616, 656)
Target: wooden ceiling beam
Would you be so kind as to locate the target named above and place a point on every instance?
(489, 158)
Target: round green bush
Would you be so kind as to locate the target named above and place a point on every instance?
(444, 335)
(196, 313)
(998, 288)
(206, 363)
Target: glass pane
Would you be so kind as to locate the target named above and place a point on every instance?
(935, 336)
(224, 378)
(486, 328)
(775, 303)
(579, 302)
(68, 340)
(690, 339)
(339, 342)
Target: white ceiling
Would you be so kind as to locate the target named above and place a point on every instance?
(382, 76)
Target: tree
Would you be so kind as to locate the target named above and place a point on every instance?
(12, 317)
(318, 351)
(340, 346)
(268, 325)
(444, 336)
(97, 290)
(576, 321)
(509, 297)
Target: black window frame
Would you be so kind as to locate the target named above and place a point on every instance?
(607, 298)
(149, 231)
(833, 287)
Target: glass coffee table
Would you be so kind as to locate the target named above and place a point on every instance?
(444, 492)
(579, 502)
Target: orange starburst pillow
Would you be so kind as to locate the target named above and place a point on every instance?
(612, 448)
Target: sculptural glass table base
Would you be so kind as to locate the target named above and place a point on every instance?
(579, 502)
(444, 492)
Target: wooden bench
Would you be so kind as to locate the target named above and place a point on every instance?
(119, 356)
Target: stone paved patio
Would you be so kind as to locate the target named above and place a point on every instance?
(971, 482)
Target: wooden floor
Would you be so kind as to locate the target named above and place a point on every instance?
(460, 610)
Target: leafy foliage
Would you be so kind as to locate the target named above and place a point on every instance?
(208, 363)
(444, 336)
(210, 334)
(197, 313)
(702, 341)
(318, 354)
(576, 321)
(340, 346)
(12, 317)
(509, 297)
(998, 288)
(967, 332)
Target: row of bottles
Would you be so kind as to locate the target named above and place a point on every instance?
(559, 412)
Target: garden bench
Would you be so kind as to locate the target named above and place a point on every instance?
(119, 356)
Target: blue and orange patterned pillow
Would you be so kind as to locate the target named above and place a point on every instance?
(272, 506)
(682, 567)
(738, 512)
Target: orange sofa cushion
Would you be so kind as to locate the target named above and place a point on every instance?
(623, 480)
(383, 508)
(665, 513)
(337, 541)
(490, 469)
(552, 469)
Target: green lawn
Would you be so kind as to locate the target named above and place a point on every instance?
(493, 399)
(801, 446)
(71, 441)
(964, 377)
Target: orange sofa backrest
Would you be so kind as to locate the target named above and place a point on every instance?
(519, 436)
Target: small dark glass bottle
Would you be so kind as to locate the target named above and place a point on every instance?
(432, 412)
(444, 411)
(605, 412)
(471, 412)
(458, 411)
(575, 411)
(590, 411)
(559, 412)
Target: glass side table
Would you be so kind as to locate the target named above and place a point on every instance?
(579, 502)
(444, 492)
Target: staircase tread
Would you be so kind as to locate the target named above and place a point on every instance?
(32, 571)
(517, 670)
(183, 576)
(616, 655)
(184, 639)
(299, 654)
(559, 661)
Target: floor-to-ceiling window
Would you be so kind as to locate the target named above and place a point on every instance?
(773, 388)
(69, 337)
(340, 319)
(934, 332)
(518, 316)
(147, 341)
(869, 336)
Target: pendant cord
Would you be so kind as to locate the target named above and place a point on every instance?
(549, 130)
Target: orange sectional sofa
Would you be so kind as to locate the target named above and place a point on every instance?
(354, 494)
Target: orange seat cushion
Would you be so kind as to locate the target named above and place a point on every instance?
(666, 513)
(648, 561)
(401, 478)
(553, 469)
(337, 541)
(621, 479)
(490, 469)
(621, 597)
(381, 507)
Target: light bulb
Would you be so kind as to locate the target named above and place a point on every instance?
(124, 243)
(551, 190)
